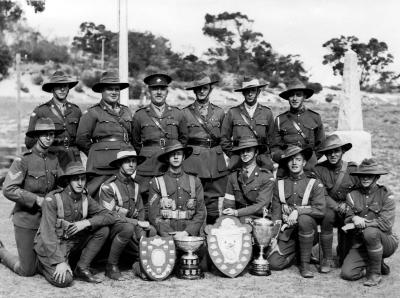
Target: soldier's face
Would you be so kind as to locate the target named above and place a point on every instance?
(202, 93)
(248, 154)
(296, 164)
(46, 139)
(334, 155)
(158, 95)
(250, 95)
(60, 92)
(128, 166)
(367, 180)
(296, 99)
(78, 183)
(111, 94)
(176, 158)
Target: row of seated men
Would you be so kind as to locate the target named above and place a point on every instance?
(108, 127)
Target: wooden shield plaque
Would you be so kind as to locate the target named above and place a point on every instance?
(157, 256)
(229, 245)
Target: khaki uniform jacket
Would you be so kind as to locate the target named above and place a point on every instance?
(179, 194)
(249, 195)
(328, 175)
(206, 162)
(32, 175)
(147, 138)
(55, 248)
(97, 126)
(234, 127)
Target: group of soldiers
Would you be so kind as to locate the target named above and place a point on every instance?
(106, 178)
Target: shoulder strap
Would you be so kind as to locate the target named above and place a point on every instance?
(249, 125)
(136, 191)
(158, 124)
(85, 206)
(117, 193)
(299, 130)
(202, 123)
(163, 188)
(60, 206)
(192, 184)
(278, 123)
(281, 191)
(340, 177)
(307, 193)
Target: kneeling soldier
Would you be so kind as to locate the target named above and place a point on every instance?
(121, 194)
(72, 223)
(176, 202)
(372, 211)
(298, 202)
(250, 188)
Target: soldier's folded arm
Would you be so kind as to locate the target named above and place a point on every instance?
(183, 129)
(385, 220)
(197, 221)
(12, 187)
(84, 133)
(317, 202)
(276, 206)
(136, 134)
(99, 216)
(226, 134)
(319, 136)
(140, 207)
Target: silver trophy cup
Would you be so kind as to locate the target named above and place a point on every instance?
(262, 233)
(189, 264)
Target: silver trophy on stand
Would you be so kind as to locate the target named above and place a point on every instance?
(189, 264)
(262, 233)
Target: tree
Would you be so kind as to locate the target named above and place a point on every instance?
(374, 56)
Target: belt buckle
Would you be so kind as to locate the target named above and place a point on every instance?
(162, 142)
(181, 214)
(208, 143)
(66, 142)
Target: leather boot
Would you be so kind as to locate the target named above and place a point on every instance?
(85, 275)
(385, 269)
(326, 246)
(306, 244)
(112, 271)
(374, 267)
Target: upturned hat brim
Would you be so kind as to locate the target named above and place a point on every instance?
(48, 87)
(116, 162)
(307, 152)
(250, 87)
(200, 85)
(35, 133)
(98, 87)
(187, 151)
(307, 92)
(345, 147)
(238, 148)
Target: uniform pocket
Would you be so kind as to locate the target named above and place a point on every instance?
(36, 181)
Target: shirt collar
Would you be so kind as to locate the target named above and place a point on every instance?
(158, 109)
(250, 108)
(174, 175)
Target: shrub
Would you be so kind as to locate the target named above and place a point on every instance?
(36, 78)
(90, 77)
(317, 87)
(6, 60)
(135, 89)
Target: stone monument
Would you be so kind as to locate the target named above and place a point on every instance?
(350, 123)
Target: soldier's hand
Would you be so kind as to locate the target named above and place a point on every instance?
(122, 211)
(143, 224)
(359, 222)
(60, 273)
(292, 218)
(77, 227)
(342, 208)
(229, 211)
(39, 201)
(286, 209)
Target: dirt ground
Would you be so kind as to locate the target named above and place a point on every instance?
(381, 121)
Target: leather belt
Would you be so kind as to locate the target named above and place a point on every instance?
(111, 139)
(176, 214)
(161, 142)
(63, 142)
(209, 143)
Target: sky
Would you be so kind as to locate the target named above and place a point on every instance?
(290, 26)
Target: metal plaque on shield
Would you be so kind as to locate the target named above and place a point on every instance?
(157, 256)
(229, 245)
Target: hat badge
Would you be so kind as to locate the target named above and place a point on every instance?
(158, 80)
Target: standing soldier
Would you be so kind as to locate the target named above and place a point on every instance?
(298, 202)
(121, 194)
(104, 129)
(299, 126)
(176, 202)
(153, 126)
(72, 224)
(250, 188)
(335, 174)
(249, 119)
(204, 121)
(27, 182)
(372, 211)
(64, 114)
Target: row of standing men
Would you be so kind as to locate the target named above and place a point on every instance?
(108, 127)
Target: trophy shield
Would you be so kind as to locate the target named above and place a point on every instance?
(157, 256)
(229, 245)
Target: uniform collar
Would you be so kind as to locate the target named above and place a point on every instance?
(336, 166)
(123, 178)
(175, 175)
(369, 190)
(71, 194)
(38, 152)
(106, 106)
(299, 177)
(297, 111)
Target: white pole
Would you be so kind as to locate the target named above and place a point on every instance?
(18, 70)
(123, 48)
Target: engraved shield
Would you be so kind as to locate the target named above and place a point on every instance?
(157, 256)
(229, 245)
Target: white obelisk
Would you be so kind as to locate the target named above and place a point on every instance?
(123, 47)
(350, 122)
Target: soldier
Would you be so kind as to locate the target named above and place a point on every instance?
(299, 126)
(250, 188)
(249, 119)
(372, 211)
(64, 114)
(335, 175)
(121, 194)
(176, 204)
(104, 129)
(72, 224)
(298, 202)
(152, 126)
(204, 121)
(27, 182)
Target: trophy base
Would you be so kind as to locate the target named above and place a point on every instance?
(260, 269)
(190, 269)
